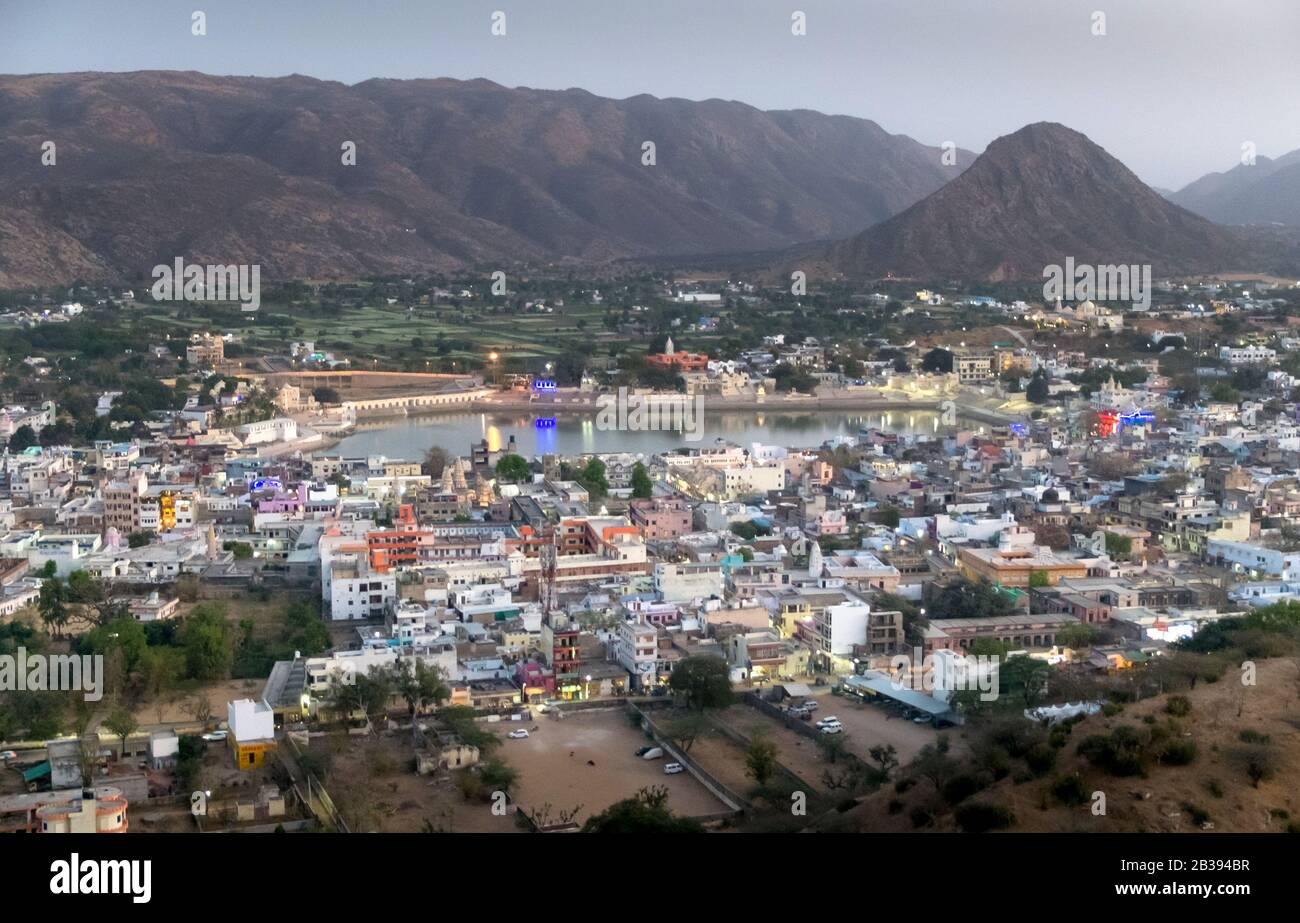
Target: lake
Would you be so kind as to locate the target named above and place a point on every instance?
(410, 437)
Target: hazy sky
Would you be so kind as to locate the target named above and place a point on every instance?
(1173, 88)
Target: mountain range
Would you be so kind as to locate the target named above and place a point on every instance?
(448, 174)
(1264, 192)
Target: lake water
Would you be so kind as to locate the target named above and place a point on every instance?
(410, 437)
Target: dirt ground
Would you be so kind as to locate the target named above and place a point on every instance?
(797, 753)
(177, 705)
(867, 725)
(375, 788)
(553, 767)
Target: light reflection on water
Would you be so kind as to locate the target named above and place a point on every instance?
(409, 437)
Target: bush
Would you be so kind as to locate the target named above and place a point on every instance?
(1178, 706)
(1178, 753)
(1119, 753)
(1199, 815)
(895, 807)
(1041, 759)
(981, 817)
(1070, 790)
(959, 788)
(921, 817)
(1253, 737)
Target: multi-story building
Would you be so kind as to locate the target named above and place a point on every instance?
(636, 650)
(205, 350)
(659, 519)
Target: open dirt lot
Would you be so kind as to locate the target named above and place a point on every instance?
(553, 767)
(797, 753)
(375, 788)
(869, 725)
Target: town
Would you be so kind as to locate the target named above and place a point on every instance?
(864, 559)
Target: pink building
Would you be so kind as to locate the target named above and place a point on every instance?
(661, 518)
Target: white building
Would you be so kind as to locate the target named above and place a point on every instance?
(840, 627)
(1255, 560)
(1247, 355)
(636, 650)
(685, 582)
(357, 593)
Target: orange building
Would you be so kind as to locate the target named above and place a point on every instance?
(678, 359)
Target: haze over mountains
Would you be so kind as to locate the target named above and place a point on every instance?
(1265, 192)
(451, 174)
(1032, 199)
(448, 174)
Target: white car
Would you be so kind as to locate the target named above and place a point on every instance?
(214, 735)
(517, 735)
(671, 769)
(829, 721)
(8, 755)
(831, 729)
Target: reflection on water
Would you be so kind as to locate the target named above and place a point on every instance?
(410, 437)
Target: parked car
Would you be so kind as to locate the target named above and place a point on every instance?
(517, 735)
(215, 735)
(810, 704)
(653, 753)
(671, 769)
(828, 721)
(642, 751)
(8, 755)
(832, 729)
(921, 719)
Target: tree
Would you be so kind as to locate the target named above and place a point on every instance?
(886, 758)
(498, 776)
(435, 460)
(325, 395)
(206, 639)
(24, 437)
(937, 360)
(646, 812)
(933, 764)
(53, 605)
(123, 724)
(420, 686)
(1079, 635)
(760, 760)
(1039, 578)
(1028, 675)
(593, 478)
(642, 486)
(1117, 545)
(684, 729)
(969, 599)
(703, 682)
(513, 468)
(1038, 391)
